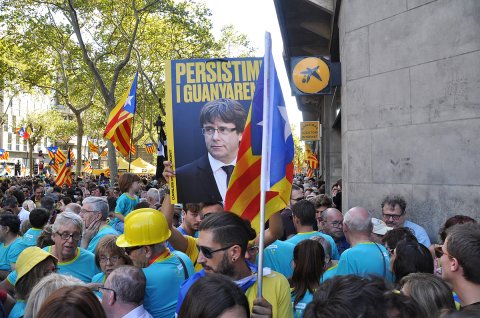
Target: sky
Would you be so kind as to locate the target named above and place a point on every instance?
(254, 17)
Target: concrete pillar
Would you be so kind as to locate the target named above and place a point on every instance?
(411, 106)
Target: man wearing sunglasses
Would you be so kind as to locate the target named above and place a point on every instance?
(460, 260)
(222, 244)
(206, 179)
(146, 231)
(395, 216)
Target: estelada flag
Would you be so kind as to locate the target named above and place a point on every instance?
(4, 155)
(87, 167)
(55, 153)
(150, 148)
(243, 194)
(22, 132)
(310, 158)
(119, 125)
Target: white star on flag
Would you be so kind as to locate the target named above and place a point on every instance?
(283, 112)
(129, 100)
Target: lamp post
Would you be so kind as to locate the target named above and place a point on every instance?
(160, 148)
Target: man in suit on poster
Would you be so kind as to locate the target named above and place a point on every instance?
(206, 179)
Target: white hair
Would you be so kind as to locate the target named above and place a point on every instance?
(357, 222)
(153, 194)
(28, 205)
(68, 217)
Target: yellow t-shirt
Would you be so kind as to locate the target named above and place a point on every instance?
(192, 252)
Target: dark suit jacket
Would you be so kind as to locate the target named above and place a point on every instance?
(196, 183)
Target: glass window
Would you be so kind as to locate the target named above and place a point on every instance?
(9, 141)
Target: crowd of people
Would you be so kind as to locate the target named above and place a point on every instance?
(124, 250)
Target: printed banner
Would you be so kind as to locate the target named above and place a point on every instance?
(207, 105)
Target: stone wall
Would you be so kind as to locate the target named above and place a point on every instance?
(411, 106)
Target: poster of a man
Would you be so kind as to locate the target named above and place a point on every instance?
(207, 107)
(222, 122)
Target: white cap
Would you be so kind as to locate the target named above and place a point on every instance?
(379, 227)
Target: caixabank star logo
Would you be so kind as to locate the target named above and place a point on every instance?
(311, 75)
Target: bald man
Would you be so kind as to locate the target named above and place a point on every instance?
(332, 224)
(365, 257)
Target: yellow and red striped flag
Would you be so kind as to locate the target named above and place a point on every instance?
(56, 153)
(104, 153)
(64, 176)
(87, 167)
(8, 169)
(54, 165)
(72, 155)
(310, 158)
(4, 155)
(309, 173)
(150, 148)
(119, 125)
(244, 190)
(133, 150)
(92, 147)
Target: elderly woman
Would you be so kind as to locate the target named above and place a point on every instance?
(108, 257)
(72, 260)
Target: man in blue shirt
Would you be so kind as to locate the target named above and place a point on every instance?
(191, 219)
(94, 214)
(146, 231)
(38, 218)
(11, 245)
(395, 216)
(365, 257)
(303, 213)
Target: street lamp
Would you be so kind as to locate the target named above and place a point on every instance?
(158, 125)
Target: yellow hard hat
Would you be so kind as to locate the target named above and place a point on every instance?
(29, 258)
(144, 227)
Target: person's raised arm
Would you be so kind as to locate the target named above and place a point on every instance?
(274, 231)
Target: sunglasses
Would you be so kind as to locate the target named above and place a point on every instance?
(208, 252)
(129, 250)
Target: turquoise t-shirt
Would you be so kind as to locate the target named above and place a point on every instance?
(297, 238)
(164, 277)
(329, 273)
(299, 308)
(125, 205)
(98, 278)
(104, 230)
(30, 237)
(365, 259)
(18, 310)
(9, 253)
(82, 266)
(279, 256)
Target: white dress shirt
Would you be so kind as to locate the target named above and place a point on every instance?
(219, 174)
(138, 312)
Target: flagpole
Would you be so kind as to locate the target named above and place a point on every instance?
(265, 172)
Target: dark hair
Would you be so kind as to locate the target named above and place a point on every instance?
(66, 199)
(463, 243)
(57, 189)
(226, 110)
(392, 237)
(101, 189)
(393, 200)
(9, 202)
(212, 295)
(112, 203)
(348, 296)
(45, 238)
(305, 211)
(457, 219)
(72, 302)
(141, 205)
(12, 221)
(19, 195)
(296, 188)
(39, 217)
(309, 258)
(229, 229)
(405, 306)
(193, 207)
(36, 186)
(411, 257)
(47, 203)
(321, 200)
(126, 180)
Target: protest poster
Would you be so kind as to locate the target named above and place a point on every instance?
(219, 86)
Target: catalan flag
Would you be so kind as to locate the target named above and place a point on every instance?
(72, 155)
(8, 169)
(133, 150)
(87, 168)
(4, 155)
(244, 190)
(150, 148)
(104, 153)
(119, 125)
(93, 147)
(310, 158)
(309, 173)
(64, 176)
